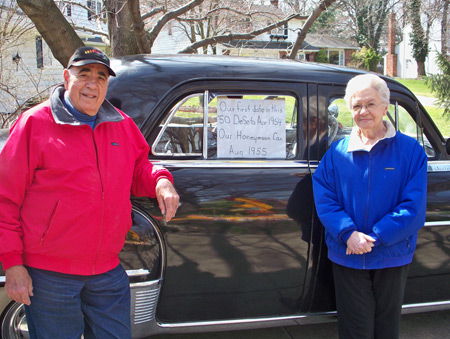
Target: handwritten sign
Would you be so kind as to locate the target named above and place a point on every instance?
(251, 128)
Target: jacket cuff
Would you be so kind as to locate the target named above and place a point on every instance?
(161, 173)
(377, 240)
(346, 235)
(11, 260)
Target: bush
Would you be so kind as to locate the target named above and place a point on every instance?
(322, 57)
(366, 58)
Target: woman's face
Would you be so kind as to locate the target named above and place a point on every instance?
(368, 109)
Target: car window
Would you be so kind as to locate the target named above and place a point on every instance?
(182, 129)
(230, 126)
(404, 122)
(340, 123)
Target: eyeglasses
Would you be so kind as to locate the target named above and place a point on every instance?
(370, 107)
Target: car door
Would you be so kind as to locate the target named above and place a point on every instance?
(429, 273)
(239, 246)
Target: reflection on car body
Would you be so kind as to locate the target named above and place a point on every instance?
(246, 248)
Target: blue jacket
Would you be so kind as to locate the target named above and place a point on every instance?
(381, 192)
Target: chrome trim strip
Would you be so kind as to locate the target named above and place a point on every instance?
(137, 273)
(203, 326)
(244, 323)
(438, 166)
(437, 223)
(426, 307)
(205, 124)
(147, 284)
(232, 163)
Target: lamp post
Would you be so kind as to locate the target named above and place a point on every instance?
(16, 59)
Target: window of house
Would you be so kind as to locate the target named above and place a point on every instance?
(39, 53)
(340, 123)
(223, 126)
(89, 11)
(279, 32)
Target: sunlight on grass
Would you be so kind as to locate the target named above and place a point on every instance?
(417, 86)
(420, 88)
(441, 122)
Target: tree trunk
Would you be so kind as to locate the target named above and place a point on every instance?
(139, 26)
(420, 69)
(444, 48)
(54, 28)
(120, 27)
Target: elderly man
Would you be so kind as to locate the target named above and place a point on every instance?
(66, 174)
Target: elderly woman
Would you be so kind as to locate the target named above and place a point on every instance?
(370, 195)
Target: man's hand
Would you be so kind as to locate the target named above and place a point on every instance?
(18, 284)
(167, 198)
(359, 243)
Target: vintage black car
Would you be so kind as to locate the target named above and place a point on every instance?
(242, 138)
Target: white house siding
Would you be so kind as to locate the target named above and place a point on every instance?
(26, 80)
(170, 40)
(406, 64)
(80, 17)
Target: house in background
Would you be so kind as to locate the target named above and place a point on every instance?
(28, 67)
(399, 62)
(278, 44)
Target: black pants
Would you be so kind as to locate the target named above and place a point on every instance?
(369, 302)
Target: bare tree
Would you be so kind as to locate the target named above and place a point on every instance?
(18, 85)
(133, 25)
(323, 6)
(368, 19)
(53, 27)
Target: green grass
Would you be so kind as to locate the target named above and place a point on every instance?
(441, 122)
(419, 87)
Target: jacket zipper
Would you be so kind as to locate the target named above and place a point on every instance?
(102, 203)
(368, 200)
(50, 222)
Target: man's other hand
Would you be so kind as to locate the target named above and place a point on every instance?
(18, 285)
(167, 198)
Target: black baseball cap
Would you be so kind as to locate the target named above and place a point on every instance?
(90, 55)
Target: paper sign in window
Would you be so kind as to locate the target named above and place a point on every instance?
(251, 128)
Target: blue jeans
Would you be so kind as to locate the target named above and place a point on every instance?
(65, 306)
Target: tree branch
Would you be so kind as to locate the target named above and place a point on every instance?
(229, 37)
(153, 34)
(323, 6)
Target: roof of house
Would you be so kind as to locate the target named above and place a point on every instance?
(272, 44)
(324, 41)
(312, 43)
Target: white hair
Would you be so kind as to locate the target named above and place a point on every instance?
(364, 81)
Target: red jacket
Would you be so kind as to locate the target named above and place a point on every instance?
(65, 188)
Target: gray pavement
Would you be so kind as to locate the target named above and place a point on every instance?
(430, 325)
(427, 101)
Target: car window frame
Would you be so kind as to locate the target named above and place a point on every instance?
(151, 129)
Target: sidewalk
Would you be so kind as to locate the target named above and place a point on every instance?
(427, 101)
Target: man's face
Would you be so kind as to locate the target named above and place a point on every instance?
(86, 86)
